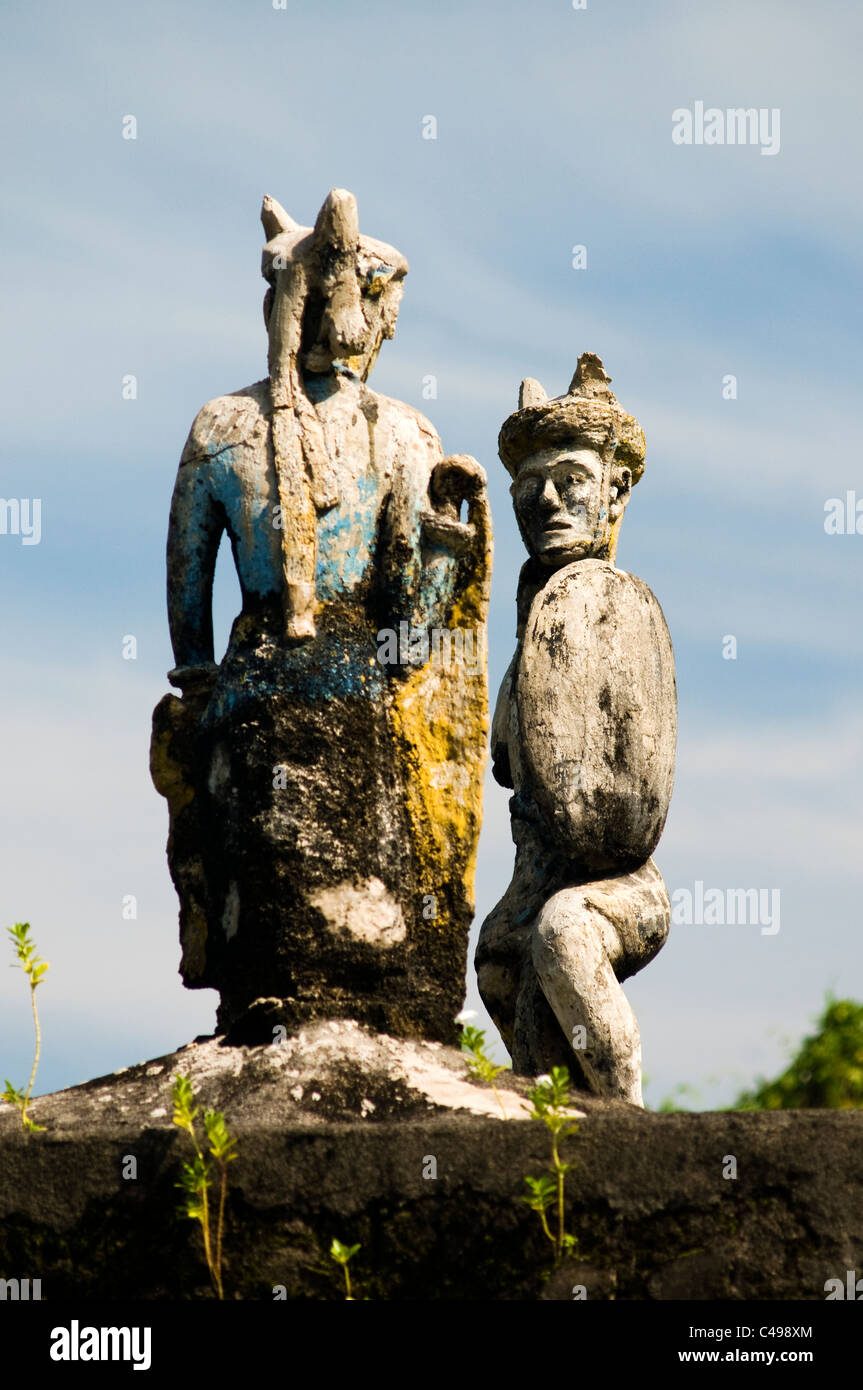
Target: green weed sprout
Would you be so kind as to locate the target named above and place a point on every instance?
(343, 1254)
(197, 1180)
(542, 1194)
(551, 1104)
(34, 968)
(480, 1064)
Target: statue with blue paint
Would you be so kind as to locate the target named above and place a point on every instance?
(324, 783)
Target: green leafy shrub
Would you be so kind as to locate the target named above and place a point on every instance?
(827, 1072)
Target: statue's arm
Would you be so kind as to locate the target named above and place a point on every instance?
(500, 729)
(432, 561)
(194, 532)
(457, 481)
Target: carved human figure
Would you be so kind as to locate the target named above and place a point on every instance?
(324, 781)
(584, 733)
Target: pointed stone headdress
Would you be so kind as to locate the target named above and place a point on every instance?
(588, 414)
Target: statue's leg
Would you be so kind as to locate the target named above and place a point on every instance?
(497, 981)
(502, 961)
(585, 940)
(538, 1042)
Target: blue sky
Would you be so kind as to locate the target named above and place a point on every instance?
(554, 129)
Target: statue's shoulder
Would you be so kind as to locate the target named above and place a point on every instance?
(591, 617)
(592, 586)
(227, 421)
(392, 411)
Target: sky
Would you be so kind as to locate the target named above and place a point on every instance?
(704, 261)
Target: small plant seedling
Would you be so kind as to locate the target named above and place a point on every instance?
(551, 1104)
(343, 1254)
(197, 1179)
(34, 968)
(541, 1194)
(479, 1063)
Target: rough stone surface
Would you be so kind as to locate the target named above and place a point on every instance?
(592, 701)
(584, 733)
(335, 1128)
(324, 781)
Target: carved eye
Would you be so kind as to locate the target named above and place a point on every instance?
(528, 489)
(376, 279)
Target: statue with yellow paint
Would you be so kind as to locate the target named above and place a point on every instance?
(324, 791)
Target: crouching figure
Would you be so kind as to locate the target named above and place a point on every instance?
(584, 733)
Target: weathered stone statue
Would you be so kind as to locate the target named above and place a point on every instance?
(584, 732)
(324, 780)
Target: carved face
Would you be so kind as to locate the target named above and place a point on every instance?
(564, 507)
(334, 294)
(351, 308)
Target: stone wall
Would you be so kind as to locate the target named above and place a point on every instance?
(336, 1130)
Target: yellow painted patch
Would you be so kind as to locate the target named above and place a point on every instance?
(440, 717)
(167, 774)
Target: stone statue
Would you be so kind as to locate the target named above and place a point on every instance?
(324, 779)
(584, 733)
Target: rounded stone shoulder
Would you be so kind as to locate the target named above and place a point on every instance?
(597, 713)
(227, 421)
(598, 581)
(388, 406)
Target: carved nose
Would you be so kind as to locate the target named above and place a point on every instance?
(344, 326)
(549, 500)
